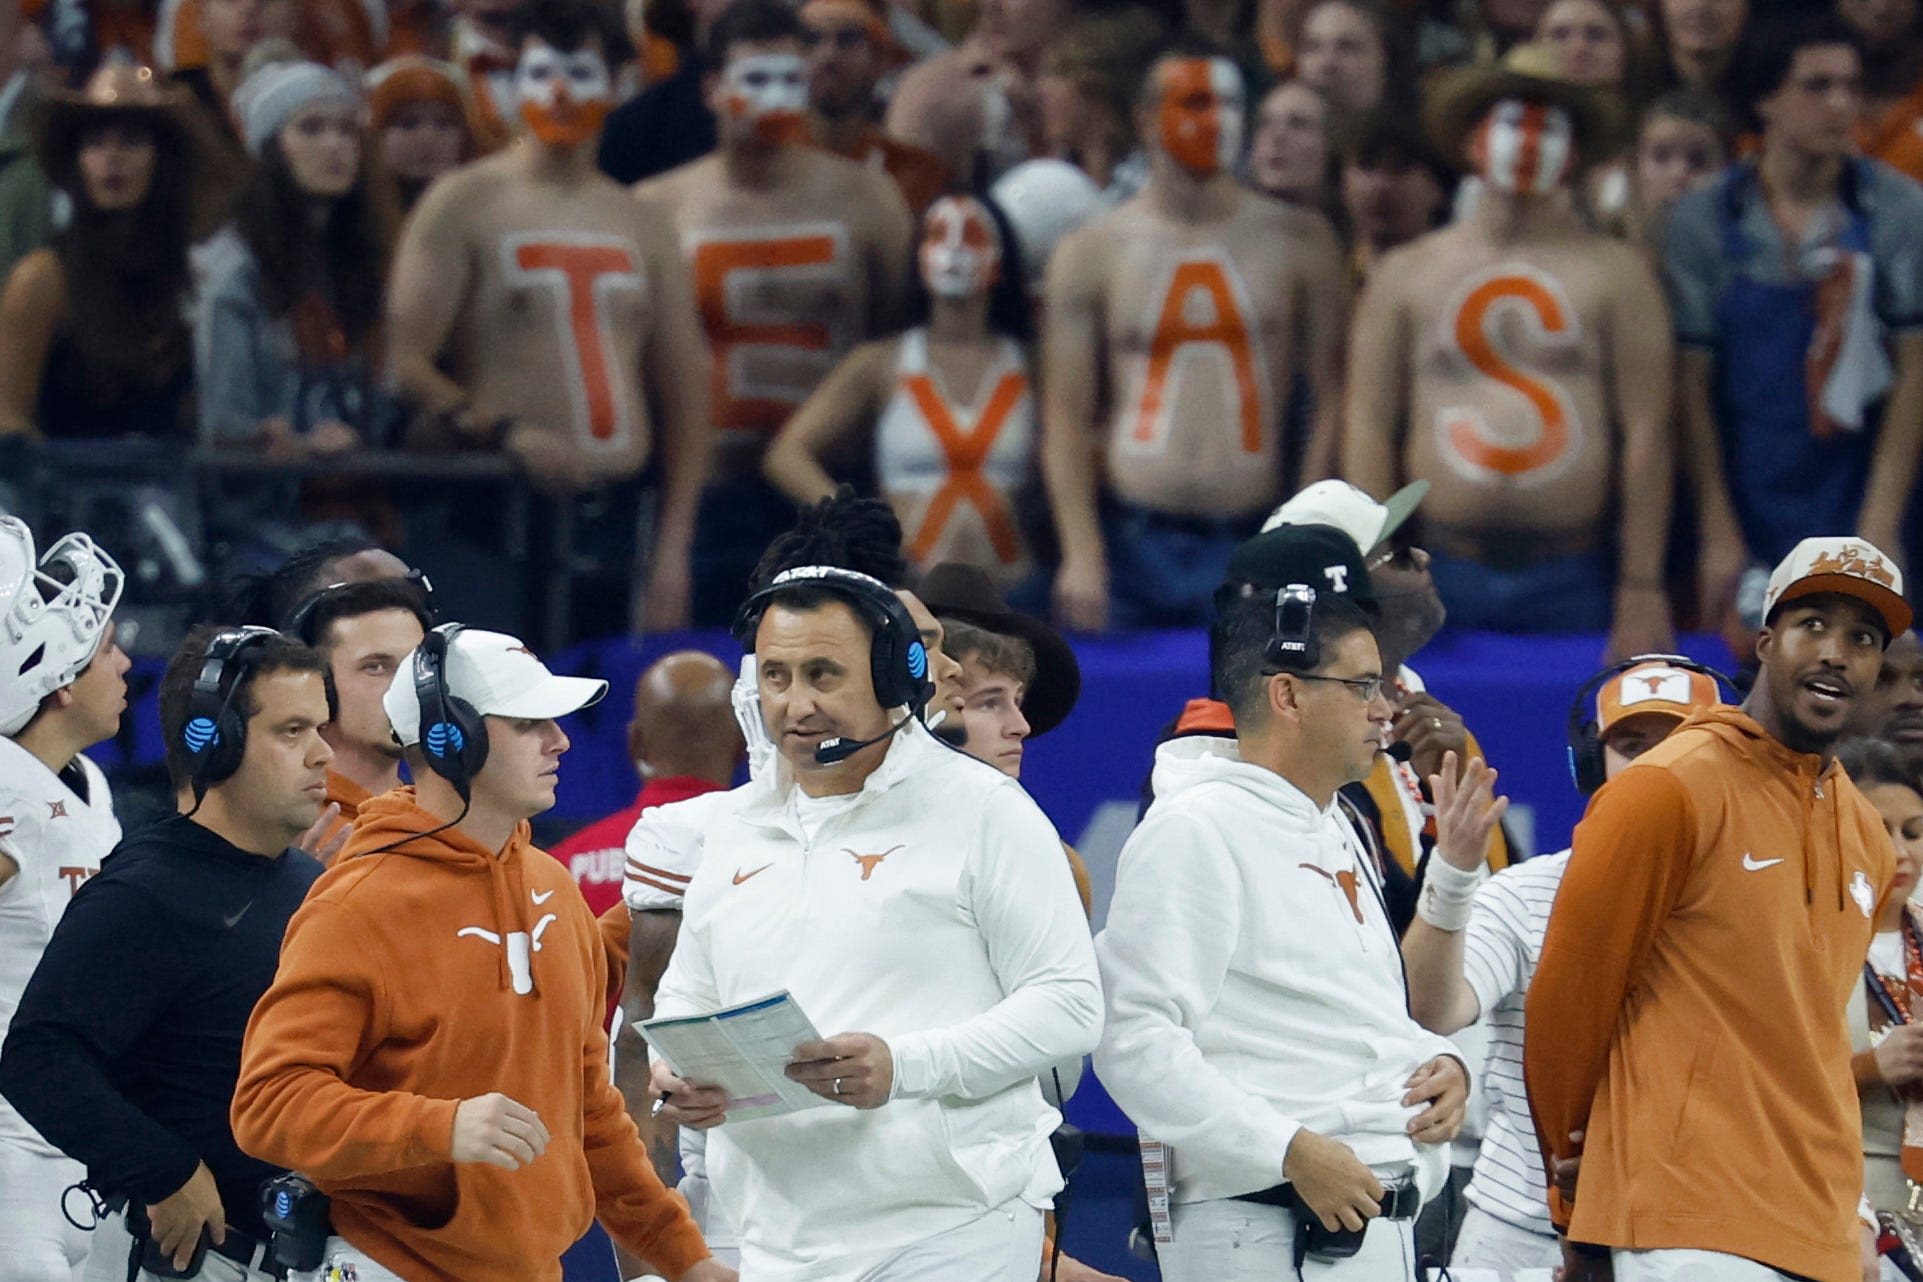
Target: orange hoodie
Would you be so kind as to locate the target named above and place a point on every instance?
(1688, 1010)
(416, 978)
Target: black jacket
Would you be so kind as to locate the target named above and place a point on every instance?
(126, 1046)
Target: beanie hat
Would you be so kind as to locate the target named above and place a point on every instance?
(410, 79)
(272, 96)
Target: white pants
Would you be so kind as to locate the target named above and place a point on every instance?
(1004, 1245)
(1689, 1266)
(41, 1245)
(1229, 1241)
(1487, 1242)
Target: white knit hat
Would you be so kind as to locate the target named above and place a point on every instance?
(269, 98)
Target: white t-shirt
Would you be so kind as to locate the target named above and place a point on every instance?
(1886, 953)
(57, 839)
(1500, 950)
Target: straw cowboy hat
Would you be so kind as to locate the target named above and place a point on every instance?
(1532, 73)
(114, 93)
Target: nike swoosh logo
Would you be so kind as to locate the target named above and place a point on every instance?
(231, 922)
(740, 877)
(541, 898)
(1752, 864)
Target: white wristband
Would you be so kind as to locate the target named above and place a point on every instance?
(1447, 894)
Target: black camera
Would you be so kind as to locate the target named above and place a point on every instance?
(297, 1219)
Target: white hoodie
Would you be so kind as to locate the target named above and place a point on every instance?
(1254, 985)
(933, 910)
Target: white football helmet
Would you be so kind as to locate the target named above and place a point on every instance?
(53, 612)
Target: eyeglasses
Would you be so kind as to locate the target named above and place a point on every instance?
(1394, 554)
(1370, 688)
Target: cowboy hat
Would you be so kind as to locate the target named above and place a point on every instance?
(117, 92)
(956, 590)
(1532, 73)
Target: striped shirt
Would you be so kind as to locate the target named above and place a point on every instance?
(1500, 950)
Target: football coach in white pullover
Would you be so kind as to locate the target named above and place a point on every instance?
(1257, 1019)
(915, 902)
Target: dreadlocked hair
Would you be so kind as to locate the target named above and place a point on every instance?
(843, 530)
(267, 599)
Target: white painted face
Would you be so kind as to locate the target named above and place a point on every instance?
(768, 91)
(1527, 148)
(564, 97)
(961, 253)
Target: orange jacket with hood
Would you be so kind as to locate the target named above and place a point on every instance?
(1688, 1010)
(418, 977)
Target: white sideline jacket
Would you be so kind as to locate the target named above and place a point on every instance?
(963, 946)
(1247, 998)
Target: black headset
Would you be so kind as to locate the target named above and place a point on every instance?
(453, 735)
(897, 660)
(1586, 762)
(300, 619)
(1292, 645)
(215, 734)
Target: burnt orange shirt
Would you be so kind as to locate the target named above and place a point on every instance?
(1688, 1010)
(1895, 135)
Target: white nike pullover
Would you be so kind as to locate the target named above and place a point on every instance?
(936, 913)
(1250, 994)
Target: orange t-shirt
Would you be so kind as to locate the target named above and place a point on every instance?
(1895, 135)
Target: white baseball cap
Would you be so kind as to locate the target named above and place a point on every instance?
(498, 675)
(1350, 509)
(1852, 567)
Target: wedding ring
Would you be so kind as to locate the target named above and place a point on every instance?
(1436, 722)
(837, 1086)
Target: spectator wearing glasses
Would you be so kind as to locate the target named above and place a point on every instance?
(849, 49)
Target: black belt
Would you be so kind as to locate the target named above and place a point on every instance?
(1399, 1201)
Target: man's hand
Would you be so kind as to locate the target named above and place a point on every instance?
(1640, 624)
(1332, 1181)
(1073, 1270)
(1584, 1265)
(666, 603)
(691, 1104)
(554, 466)
(1467, 811)
(1081, 596)
(1444, 1087)
(1564, 1170)
(496, 1130)
(1431, 729)
(856, 1069)
(331, 437)
(178, 1218)
(710, 1270)
(326, 835)
(1899, 1056)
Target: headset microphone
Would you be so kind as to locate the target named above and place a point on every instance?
(1400, 751)
(832, 752)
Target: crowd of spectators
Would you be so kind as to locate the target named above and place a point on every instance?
(1082, 289)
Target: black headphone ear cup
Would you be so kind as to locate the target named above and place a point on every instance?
(225, 754)
(1587, 760)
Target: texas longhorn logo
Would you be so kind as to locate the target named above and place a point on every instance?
(869, 862)
(1344, 881)
(520, 944)
(1850, 560)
